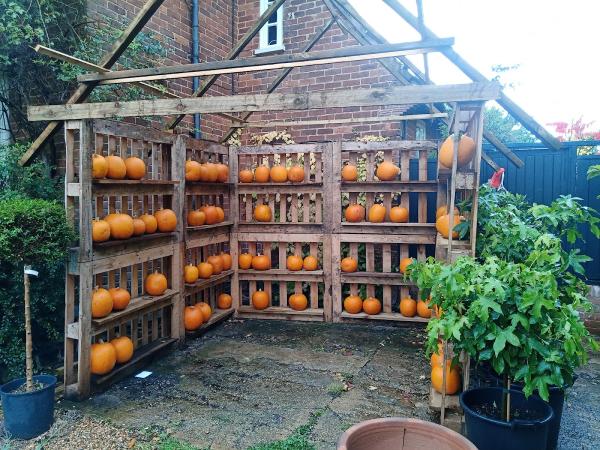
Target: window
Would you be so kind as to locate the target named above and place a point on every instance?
(421, 130)
(271, 34)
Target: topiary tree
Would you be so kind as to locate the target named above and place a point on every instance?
(32, 232)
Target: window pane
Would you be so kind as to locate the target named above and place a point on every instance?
(273, 18)
(272, 35)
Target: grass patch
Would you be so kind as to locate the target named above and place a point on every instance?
(336, 388)
(298, 440)
(166, 442)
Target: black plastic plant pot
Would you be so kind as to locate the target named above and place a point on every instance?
(28, 414)
(527, 429)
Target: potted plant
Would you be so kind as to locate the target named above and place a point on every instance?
(31, 232)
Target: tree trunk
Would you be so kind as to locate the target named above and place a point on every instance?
(28, 343)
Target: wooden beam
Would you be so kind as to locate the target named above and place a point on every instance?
(107, 61)
(513, 109)
(355, 53)
(402, 95)
(233, 53)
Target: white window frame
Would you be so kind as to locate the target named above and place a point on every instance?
(420, 125)
(263, 46)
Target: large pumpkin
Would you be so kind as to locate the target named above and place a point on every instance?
(224, 301)
(423, 309)
(222, 173)
(100, 230)
(296, 174)
(121, 225)
(205, 270)
(155, 284)
(212, 172)
(387, 171)
(139, 227)
(192, 170)
(226, 257)
(443, 210)
(261, 174)
(220, 214)
(349, 264)
(135, 168)
(349, 172)
(353, 304)
(443, 226)
(99, 166)
(355, 213)
(377, 213)
(260, 300)
(246, 176)
(102, 303)
(196, 218)
(278, 174)
(245, 261)
(217, 263)
(211, 213)
(103, 358)
(123, 348)
(151, 223)
(262, 213)
(116, 167)
(120, 298)
(298, 302)
(408, 307)
(399, 214)
(310, 263)
(294, 262)
(166, 220)
(205, 309)
(190, 274)
(203, 170)
(452, 379)
(192, 318)
(466, 150)
(404, 263)
(371, 306)
(261, 262)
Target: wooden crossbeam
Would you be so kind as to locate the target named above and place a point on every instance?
(107, 61)
(513, 109)
(401, 95)
(355, 53)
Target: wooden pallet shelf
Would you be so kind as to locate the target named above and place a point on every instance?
(218, 316)
(280, 313)
(384, 186)
(132, 241)
(281, 275)
(435, 401)
(208, 282)
(392, 279)
(211, 228)
(384, 316)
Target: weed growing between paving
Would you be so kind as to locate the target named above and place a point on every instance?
(298, 440)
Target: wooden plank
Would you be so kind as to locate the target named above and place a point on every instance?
(387, 186)
(396, 317)
(392, 238)
(136, 306)
(392, 279)
(399, 95)
(280, 274)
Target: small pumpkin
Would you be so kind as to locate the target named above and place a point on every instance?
(203, 170)
(116, 167)
(355, 213)
(192, 318)
(443, 226)
(371, 306)
(262, 174)
(246, 176)
(190, 274)
(224, 301)
(100, 230)
(102, 303)
(227, 262)
(245, 261)
(353, 304)
(296, 174)
(135, 168)
(262, 213)
(139, 227)
(205, 270)
(120, 298)
(466, 150)
(310, 263)
(99, 166)
(196, 218)
(220, 214)
(206, 310)
(260, 300)
(399, 214)
(404, 263)
(166, 220)
(261, 262)
(452, 378)
(155, 284)
(192, 170)
(278, 174)
(443, 210)
(377, 213)
(217, 263)
(150, 222)
(121, 225)
(294, 262)
(423, 309)
(103, 358)
(123, 348)
(211, 214)
(387, 171)
(222, 173)
(349, 264)
(349, 172)
(298, 302)
(408, 307)
(212, 172)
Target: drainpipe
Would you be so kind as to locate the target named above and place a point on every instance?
(195, 59)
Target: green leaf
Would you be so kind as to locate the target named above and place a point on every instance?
(499, 343)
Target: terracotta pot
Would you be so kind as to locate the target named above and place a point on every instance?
(396, 433)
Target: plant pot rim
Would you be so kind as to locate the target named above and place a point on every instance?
(8, 388)
(513, 422)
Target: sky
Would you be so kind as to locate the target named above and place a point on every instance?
(555, 43)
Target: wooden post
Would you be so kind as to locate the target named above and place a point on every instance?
(177, 261)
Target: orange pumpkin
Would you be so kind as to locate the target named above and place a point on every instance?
(349, 264)
(423, 309)
(155, 284)
(100, 230)
(135, 168)
(399, 214)
(408, 307)
(294, 262)
(220, 214)
(377, 213)
(353, 304)
(246, 176)
(116, 167)
(262, 213)
(310, 263)
(443, 226)
(443, 210)
(437, 359)
(139, 227)
(150, 222)
(211, 213)
(404, 263)
(226, 257)
(296, 174)
(452, 378)
(298, 302)
(260, 300)
(166, 220)
(372, 306)
(466, 150)
(103, 358)
(192, 318)
(190, 274)
(245, 261)
(278, 174)
(355, 213)
(349, 172)
(205, 270)
(387, 171)
(121, 225)
(222, 173)
(196, 218)
(261, 262)
(192, 170)
(206, 310)
(262, 174)
(212, 172)
(99, 167)
(102, 303)
(224, 301)
(120, 298)
(203, 171)
(217, 263)
(123, 349)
